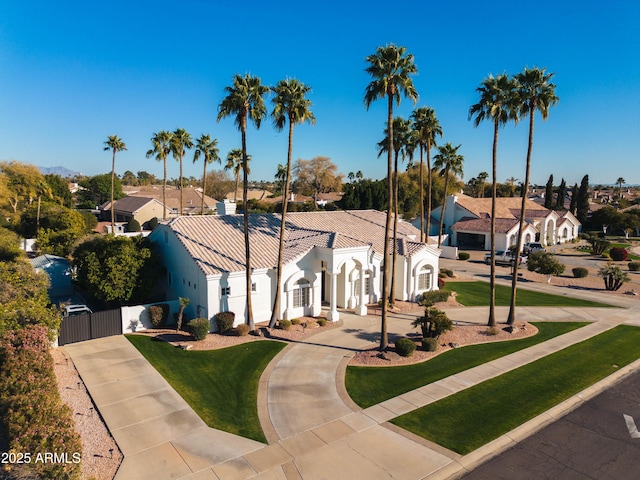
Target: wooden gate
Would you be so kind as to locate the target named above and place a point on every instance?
(79, 328)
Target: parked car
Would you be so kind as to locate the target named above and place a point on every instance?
(504, 257)
(532, 247)
(72, 310)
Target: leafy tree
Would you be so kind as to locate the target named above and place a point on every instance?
(582, 209)
(544, 263)
(161, 142)
(608, 216)
(59, 190)
(208, 148)
(426, 127)
(115, 145)
(245, 100)
(613, 277)
(220, 184)
(145, 178)
(449, 162)
(129, 178)
(180, 142)
(96, 190)
(390, 68)
(117, 269)
(289, 105)
(19, 185)
(574, 199)
(9, 246)
(498, 103)
(60, 228)
(434, 323)
(315, 176)
(364, 195)
(548, 193)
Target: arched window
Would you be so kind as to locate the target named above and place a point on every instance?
(424, 278)
(301, 293)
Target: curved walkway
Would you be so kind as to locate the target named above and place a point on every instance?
(313, 428)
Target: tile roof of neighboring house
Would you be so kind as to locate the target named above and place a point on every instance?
(128, 204)
(506, 207)
(503, 225)
(252, 194)
(216, 242)
(192, 197)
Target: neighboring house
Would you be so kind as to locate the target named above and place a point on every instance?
(191, 197)
(59, 271)
(141, 209)
(331, 258)
(467, 222)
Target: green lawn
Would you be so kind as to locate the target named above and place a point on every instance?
(220, 385)
(476, 294)
(480, 414)
(371, 385)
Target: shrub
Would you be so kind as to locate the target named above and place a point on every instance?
(405, 347)
(428, 299)
(224, 321)
(322, 322)
(242, 329)
(295, 321)
(159, 314)
(580, 272)
(434, 323)
(493, 331)
(618, 254)
(153, 223)
(545, 264)
(463, 256)
(613, 277)
(599, 246)
(133, 226)
(284, 324)
(634, 266)
(447, 272)
(199, 328)
(429, 344)
(584, 236)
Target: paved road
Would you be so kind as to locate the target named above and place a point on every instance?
(592, 442)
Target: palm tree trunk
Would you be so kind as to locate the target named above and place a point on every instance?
(421, 195)
(444, 205)
(384, 338)
(235, 192)
(113, 175)
(392, 289)
(428, 228)
(181, 202)
(511, 319)
(492, 277)
(285, 203)
(164, 190)
(204, 185)
(247, 252)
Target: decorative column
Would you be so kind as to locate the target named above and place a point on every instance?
(361, 309)
(333, 315)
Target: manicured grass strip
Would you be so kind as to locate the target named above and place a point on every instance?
(476, 294)
(480, 414)
(368, 386)
(220, 385)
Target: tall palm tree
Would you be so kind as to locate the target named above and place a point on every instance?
(482, 179)
(449, 162)
(161, 142)
(208, 148)
(115, 144)
(245, 100)
(403, 143)
(234, 163)
(427, 128)
(289, 104)
(180, 142)
(496, 104)
(620, 182)
(535, 92)
(390, 68)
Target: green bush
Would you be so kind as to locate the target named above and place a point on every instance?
(199, 328)
(159, 314)
(405, 347)
(295, 321)
(447, 272)
(153, 223)
(224, 321)
(599, 246)
(134, 226)
(428, 299)
(618, 254)
(429, 344)
(580, 272)
(322, 322)
(285, 324)
(242, 329)
(463, 256)
(634, 266)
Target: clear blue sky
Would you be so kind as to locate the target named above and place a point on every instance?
(72, 73)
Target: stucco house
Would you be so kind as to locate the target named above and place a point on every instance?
(141, 209)
(467, 222)
(331, 258)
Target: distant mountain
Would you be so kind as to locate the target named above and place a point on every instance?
(62, 171)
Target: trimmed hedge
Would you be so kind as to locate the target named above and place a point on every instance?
(405, 347)
(134, 226)
(580, 272)
(224, 321)
(34, 418)
(199, 328)
(463, 256)
(428, 299)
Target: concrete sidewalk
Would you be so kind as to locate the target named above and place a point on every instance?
(314, 430)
